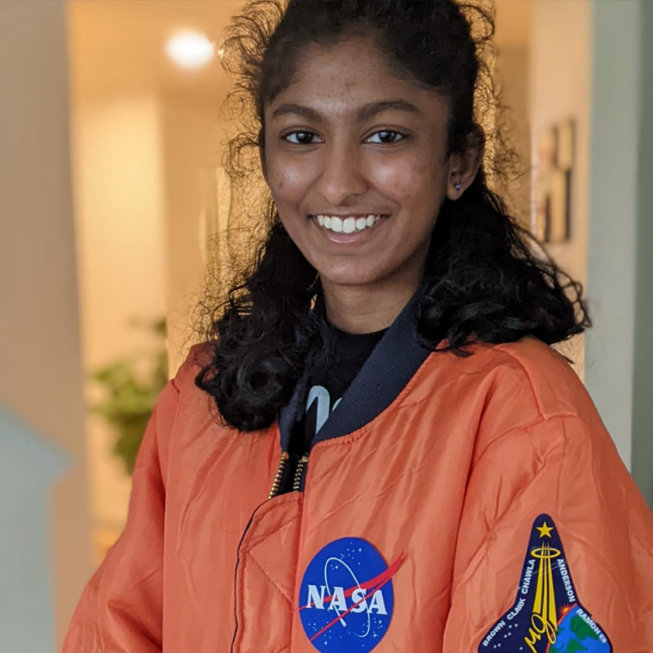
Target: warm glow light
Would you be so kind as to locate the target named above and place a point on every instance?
(189, 49)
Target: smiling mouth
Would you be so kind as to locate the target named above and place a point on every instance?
(347, 225)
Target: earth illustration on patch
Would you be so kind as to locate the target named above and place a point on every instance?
(547, 615)
(574, 634)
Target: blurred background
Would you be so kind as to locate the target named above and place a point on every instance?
(111, 187)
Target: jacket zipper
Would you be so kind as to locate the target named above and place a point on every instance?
(276, 483)
(297, 476)
(299, 472)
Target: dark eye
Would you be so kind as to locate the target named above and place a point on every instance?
(299, 138)
(385, 136)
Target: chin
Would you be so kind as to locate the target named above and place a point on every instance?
(349, 277)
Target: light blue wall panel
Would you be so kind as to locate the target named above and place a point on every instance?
(29, 466)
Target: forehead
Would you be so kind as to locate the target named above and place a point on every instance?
(342, 77)
(349, 57)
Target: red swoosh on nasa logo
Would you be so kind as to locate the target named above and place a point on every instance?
(373, 585)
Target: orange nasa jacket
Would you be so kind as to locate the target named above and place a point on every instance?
(448, 505)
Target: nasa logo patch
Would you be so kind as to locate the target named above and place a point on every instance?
(547, 616)
(346, 597)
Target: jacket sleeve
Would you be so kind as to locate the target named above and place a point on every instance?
(550, 508)
(120, 609)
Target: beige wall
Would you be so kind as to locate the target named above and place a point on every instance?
(120, 214)
(560, 74)
(40, 371)
(143, 166)
(191, 149)
(512, 73)
(560, 88)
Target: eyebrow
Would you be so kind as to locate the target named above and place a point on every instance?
(364, 113)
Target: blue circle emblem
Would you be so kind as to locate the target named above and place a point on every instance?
(346, 597)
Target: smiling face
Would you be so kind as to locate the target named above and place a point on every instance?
(356, 161)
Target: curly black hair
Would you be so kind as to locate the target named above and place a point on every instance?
(482, 281)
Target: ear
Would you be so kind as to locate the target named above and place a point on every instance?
(463, 168)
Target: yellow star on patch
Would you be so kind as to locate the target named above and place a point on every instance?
(544, 529)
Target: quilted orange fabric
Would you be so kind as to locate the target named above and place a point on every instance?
(487, 479)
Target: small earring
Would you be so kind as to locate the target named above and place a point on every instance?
(458, 185)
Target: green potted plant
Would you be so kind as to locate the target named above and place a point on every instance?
(130, 396)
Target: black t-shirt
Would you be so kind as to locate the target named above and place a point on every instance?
(327, 384)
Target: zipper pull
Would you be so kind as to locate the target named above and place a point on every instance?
(276, 484)
(297, 481)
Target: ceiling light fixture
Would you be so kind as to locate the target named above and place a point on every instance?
(189, 49)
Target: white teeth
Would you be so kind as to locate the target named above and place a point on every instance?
(347, 225)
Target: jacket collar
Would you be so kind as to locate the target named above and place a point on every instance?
(392, 363)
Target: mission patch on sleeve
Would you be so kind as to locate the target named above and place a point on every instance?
(547, 616)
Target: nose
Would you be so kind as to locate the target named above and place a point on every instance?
(341, 174)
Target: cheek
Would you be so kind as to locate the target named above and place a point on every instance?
(409, 182)
(287, 181)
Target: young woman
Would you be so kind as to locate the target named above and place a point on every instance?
(378, 449)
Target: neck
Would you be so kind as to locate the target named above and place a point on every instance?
(356, 309)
